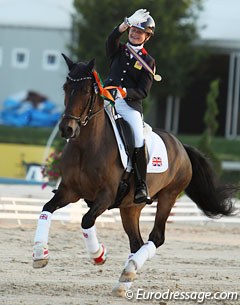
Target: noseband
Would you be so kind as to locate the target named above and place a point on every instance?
(90, 104)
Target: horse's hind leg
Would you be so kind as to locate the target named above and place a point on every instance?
(166, 200)
(40, 249)
(130, 220)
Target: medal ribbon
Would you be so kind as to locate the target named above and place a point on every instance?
(143, 63)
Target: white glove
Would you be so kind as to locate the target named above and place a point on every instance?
(139, 16)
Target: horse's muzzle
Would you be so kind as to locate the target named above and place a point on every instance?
(69, 130)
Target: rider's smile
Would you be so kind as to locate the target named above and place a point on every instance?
(136, 36)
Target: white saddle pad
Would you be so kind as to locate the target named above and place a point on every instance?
(158, 159)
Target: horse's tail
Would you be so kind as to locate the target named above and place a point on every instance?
(210, 196)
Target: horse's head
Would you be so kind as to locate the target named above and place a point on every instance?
(80, 91)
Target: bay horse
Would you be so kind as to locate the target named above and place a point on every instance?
(91, 169)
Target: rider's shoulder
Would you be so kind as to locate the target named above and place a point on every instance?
(148, 57)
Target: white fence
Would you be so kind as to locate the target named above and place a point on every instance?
(20, 209)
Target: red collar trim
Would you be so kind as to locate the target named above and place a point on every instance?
(144, 51)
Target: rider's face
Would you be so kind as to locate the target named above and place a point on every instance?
(136, 36)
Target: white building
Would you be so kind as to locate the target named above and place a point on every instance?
(33, 34)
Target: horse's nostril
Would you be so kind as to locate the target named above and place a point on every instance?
(69, 131)
(66, 132)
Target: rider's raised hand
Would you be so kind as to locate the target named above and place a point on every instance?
(139, 16)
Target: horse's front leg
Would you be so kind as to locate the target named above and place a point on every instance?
(40, 249)
(97, 251)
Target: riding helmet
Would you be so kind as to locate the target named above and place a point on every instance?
(147, 26)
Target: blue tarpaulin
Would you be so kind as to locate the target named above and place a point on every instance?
(29, 108)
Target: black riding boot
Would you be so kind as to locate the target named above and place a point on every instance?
(140, 168)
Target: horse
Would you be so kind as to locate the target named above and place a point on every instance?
(91, 169)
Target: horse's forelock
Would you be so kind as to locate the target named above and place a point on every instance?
(80, 70)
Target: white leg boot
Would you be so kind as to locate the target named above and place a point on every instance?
(134, 264)
(40, 248)
(97, 251)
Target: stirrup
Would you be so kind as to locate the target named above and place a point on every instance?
(146, 199)
(141, 194)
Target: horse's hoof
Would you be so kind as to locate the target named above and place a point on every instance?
(129, 273)
(127, 277)
(119, 290)
(40, 255)
(100, 257)
(40, 263)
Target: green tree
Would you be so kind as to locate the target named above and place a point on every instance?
(172, 45)
(211, 125)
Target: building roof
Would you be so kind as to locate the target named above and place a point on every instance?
(36, 13)
(220, 20)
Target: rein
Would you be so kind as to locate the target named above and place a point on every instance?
(87, 118)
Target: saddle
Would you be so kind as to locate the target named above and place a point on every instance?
(157, 153)
(126, 134)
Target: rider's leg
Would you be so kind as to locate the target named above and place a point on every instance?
(140, 169)
(134, 118)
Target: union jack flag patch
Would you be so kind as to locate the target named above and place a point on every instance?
(43, 216)
(156, 161)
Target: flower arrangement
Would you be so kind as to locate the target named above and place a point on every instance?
(51, 169)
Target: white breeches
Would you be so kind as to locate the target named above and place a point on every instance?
(134, 118)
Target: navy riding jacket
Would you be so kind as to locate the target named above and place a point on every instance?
(127, 72)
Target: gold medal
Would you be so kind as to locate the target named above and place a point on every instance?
(157, 77)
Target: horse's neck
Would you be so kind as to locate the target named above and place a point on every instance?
(97, 133)
(96, 146)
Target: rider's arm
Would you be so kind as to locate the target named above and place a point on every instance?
(113, 40)
(123, 27)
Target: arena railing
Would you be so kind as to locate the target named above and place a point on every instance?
(28, 209)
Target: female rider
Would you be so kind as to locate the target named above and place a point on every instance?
(130, 74)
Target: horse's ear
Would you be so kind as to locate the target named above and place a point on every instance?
(68, 61)
(91, 64)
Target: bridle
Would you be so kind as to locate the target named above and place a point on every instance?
(90, 104)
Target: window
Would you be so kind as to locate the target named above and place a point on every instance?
(50, 60)
(20, 58)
